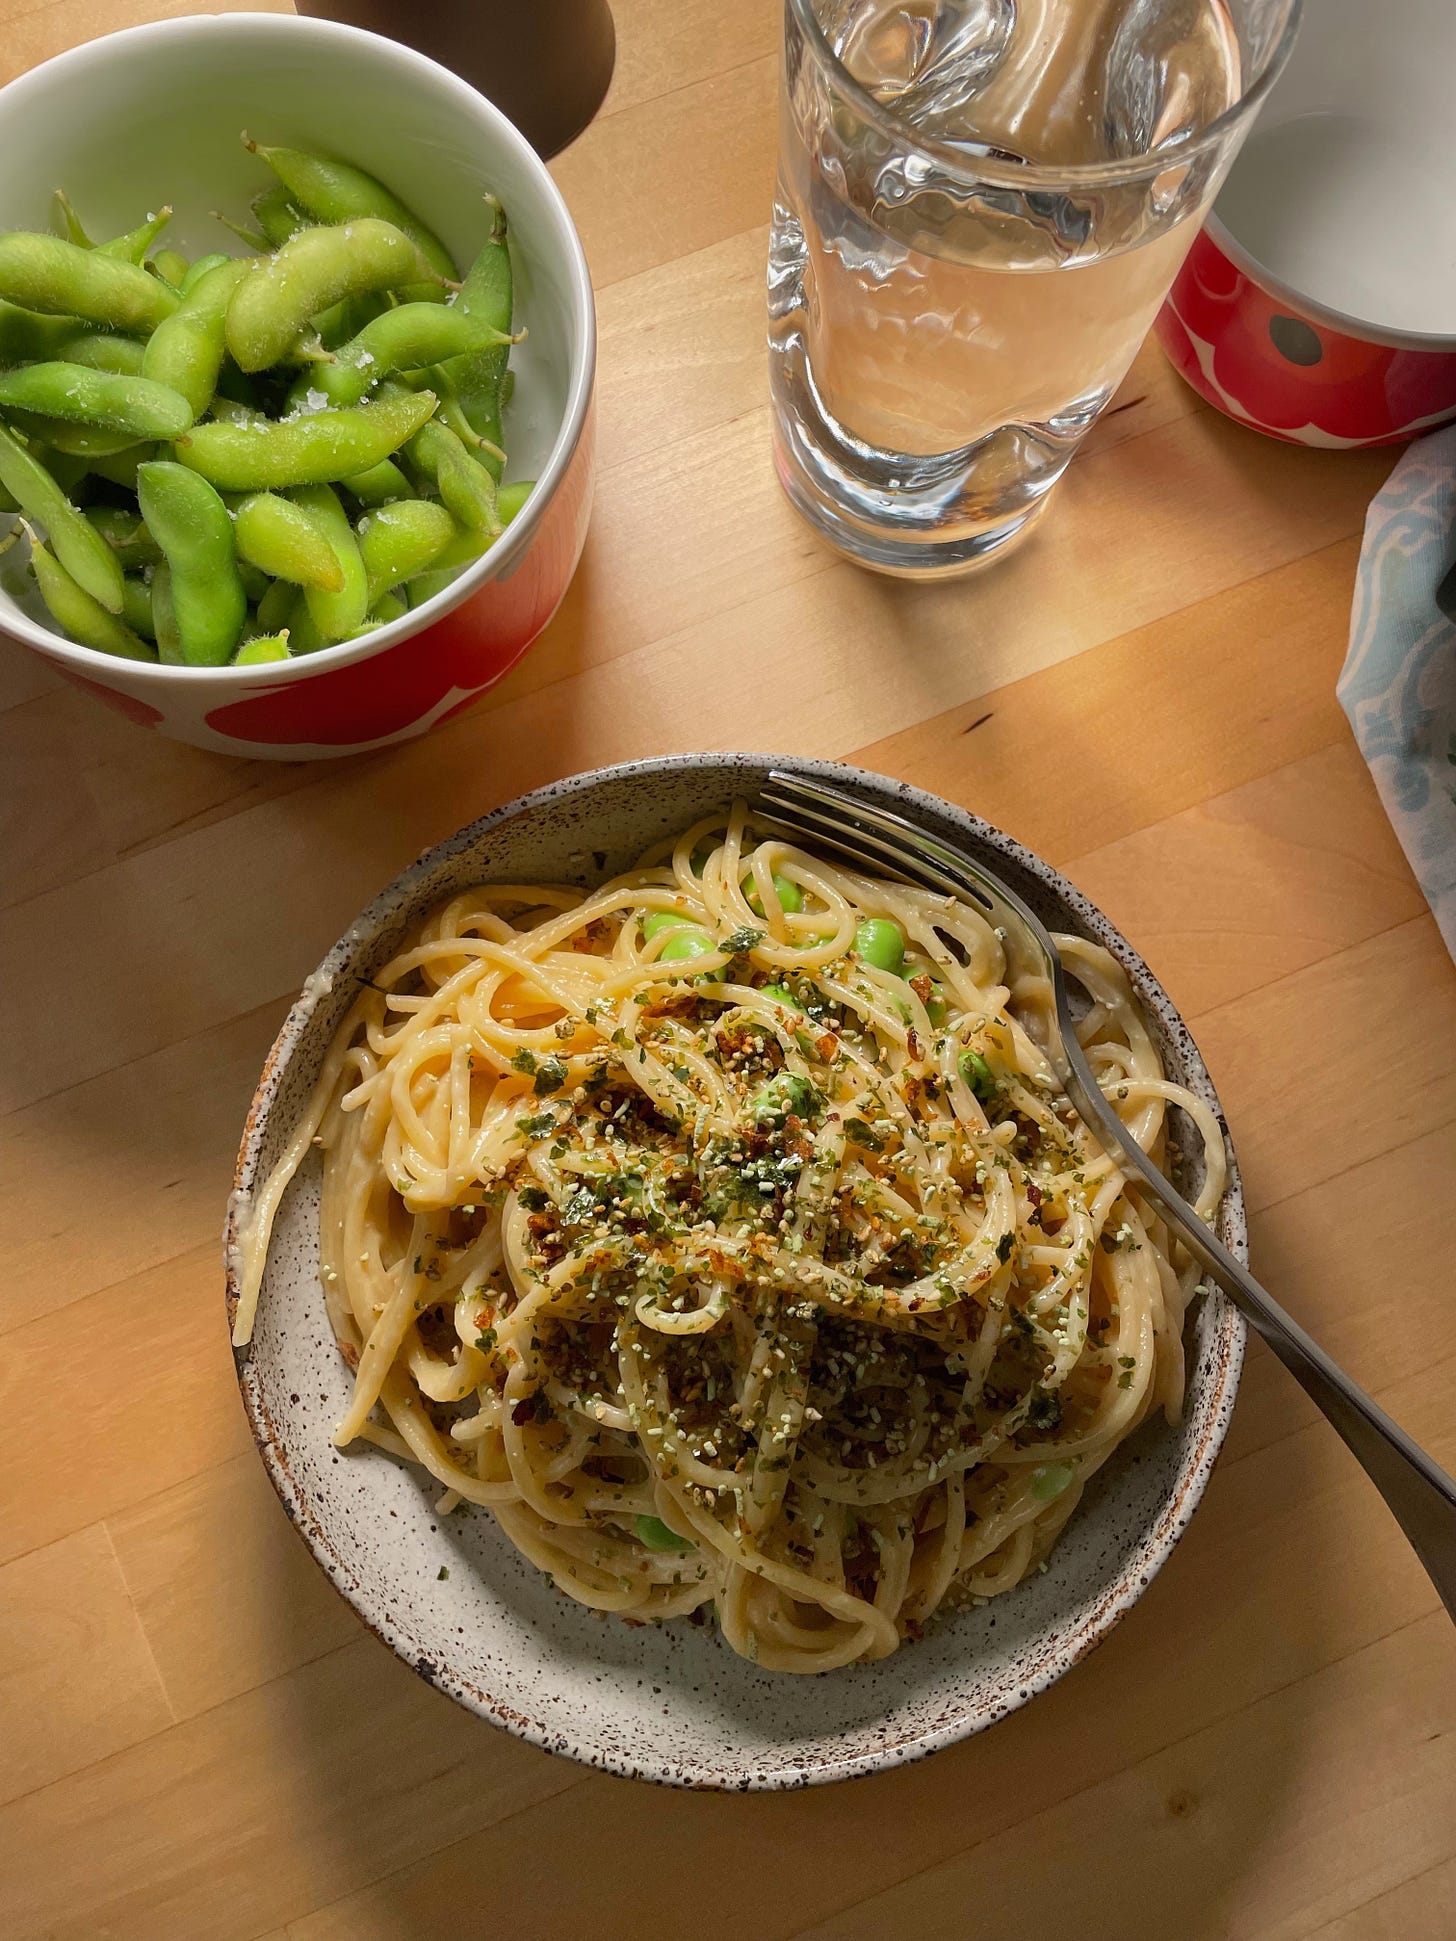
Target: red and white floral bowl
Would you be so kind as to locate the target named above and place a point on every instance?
(153, 115)
(1319, 304)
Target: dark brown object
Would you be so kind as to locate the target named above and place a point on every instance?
(545, 63)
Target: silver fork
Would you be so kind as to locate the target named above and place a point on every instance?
(1420, 1495)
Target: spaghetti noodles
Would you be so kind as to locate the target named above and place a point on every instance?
(723, 1231)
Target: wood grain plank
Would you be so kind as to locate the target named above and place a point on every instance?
(1252, 885)
(1423, 1905)
(168, 1408)
(720, 131)
(1394, 998)
(222, 1617)
(240, 1819)
(126, 1170)
(36, 32)
(663, 46)
(77, 1679)
(1239, 1832)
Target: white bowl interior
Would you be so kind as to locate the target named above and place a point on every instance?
(154, 115)
(673, 1702)
(1344, 188)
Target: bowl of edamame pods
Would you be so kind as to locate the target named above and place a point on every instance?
(296, 358)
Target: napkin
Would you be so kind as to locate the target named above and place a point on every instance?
(1399, 681)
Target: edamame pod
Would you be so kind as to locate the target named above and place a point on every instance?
(135, 407)
(25, 335)
(312, 271)
(478, 380)
(172, 267)
(286, 542)
(275, 609)
(133, 246)
(201, 268)
(136, 608)
(59, 278)
(277, 215)
(121, 467)
(318, 449)
(186, 351)
(76, 613)
(336, 192)
(335, 615)
(65, 222)
(125, 533)
(195, 532)
(101, 352)
(466, 488)
(79, 548)
(263, 647)
(404, 339)
(379, 484)
(400, 540)
(164, 618)
(510, 499)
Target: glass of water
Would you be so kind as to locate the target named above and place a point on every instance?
(981, 205)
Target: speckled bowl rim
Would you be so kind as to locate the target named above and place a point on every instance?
(1222, 1355)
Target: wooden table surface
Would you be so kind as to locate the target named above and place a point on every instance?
(198, 1740)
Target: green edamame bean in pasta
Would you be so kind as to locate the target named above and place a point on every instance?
(202, 267)
(76, 394)
(172, 267)
(479, 379)
(789, 895)
(76, 613)
(195, 532)
(656, 921)
(786, 1093)
(336, 192)
(286, 542)
(338, 614)
(133, 246)
(59, 278)
(655, 1534)
(186, 351)
(407, 338)
(781, 994)
(136, 607)
(125, 532)
(687, 943)
(103, 352)
(400, 540)
(466, 488)
(263, 647)
(318, 449)
(312, 271)
(379, 485)
(880, 941)
(80, 549)
(977, 1074)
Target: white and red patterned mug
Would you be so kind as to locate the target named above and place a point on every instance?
(1319, 303)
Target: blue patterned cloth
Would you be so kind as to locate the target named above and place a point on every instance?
(1399, 681)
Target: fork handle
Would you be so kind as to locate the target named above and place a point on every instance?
(1418, 1492)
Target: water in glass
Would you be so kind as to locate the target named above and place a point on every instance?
(941, 337)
